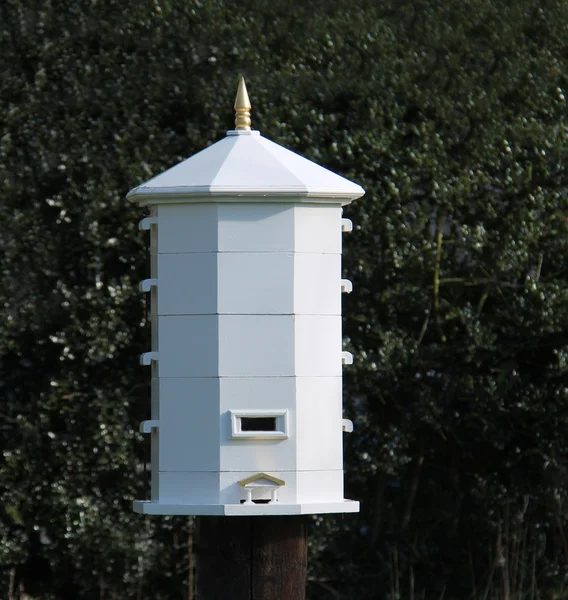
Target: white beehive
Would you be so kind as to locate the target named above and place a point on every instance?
(246, 353)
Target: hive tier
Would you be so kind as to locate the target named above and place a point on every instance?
(246, 358)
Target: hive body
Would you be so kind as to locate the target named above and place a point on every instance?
(246, 354)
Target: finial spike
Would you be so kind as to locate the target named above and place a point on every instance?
(242, 108)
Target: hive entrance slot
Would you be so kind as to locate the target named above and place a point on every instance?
(258, 424)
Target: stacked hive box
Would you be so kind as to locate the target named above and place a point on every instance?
(246, 332)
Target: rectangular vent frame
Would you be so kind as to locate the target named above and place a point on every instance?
(279, 433)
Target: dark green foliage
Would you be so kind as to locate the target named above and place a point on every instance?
(453, 117)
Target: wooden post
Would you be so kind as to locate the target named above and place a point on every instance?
(251, 558)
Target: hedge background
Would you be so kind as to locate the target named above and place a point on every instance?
(452, 115)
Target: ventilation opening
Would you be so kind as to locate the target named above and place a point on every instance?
(258, 424)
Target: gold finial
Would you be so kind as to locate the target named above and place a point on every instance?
(242, 107)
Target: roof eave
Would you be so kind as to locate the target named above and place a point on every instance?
(153, 195)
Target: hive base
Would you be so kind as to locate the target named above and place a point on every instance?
(147, 507)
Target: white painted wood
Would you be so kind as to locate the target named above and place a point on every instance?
(154, 266)
(257, 393)
(347, 358)
(347, 425)
(318, 423)
(224, 487)
(186, 228)
(256, 345)
(344, 506)
(194, 487)
(247, 345)
(155, 402)
(155, 477)
(187, 284)
(146, 223)
(155, 331)
(280, 431)
(147, 358)
(317, 345)
(270, 393)
(147, 426)
(245, 283)
(241, 510)
(146, 507)
(153, 229)
(246, 163)
(231, 491)
(320, 486)
(147, 284)
(256, 455)
(316, 284)
(154, 439)
(317, 229)
(189, 424)
(346, 225)
(256, 227)
(260, 283)
(189, 346)
(154, 456)
(300, 486)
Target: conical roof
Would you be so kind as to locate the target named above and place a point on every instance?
(244, 163)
